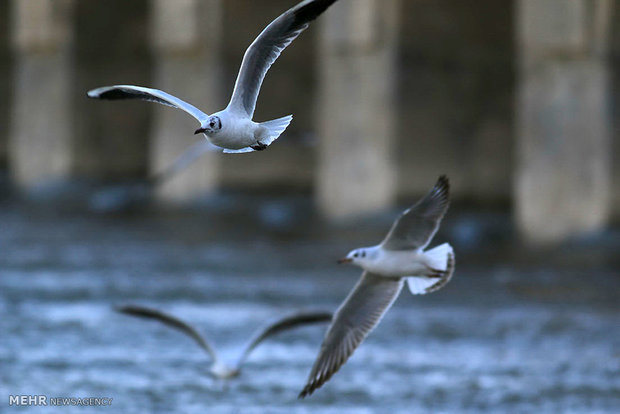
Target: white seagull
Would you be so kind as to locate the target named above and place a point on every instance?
(398, 258)
(232, 128)
(219, 368)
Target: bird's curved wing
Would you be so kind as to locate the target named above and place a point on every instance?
(418, 224)
(117, 92)
(357, 316)
(183, 161)
(169, 320)
(288, 322)
(265, 50)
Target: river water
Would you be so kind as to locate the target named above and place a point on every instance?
(506, 335)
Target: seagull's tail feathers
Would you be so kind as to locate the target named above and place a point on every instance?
(275, 128)
(439, 257)
(441, 261)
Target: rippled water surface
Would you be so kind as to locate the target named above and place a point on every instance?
(502, 337)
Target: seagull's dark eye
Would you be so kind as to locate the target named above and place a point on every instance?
(212, 124)
(355, 255)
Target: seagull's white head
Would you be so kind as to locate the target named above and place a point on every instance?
(360, 256)
(211, 126)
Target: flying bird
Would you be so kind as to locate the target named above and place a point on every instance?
(233, 128)
(401, 257)
(219, 368)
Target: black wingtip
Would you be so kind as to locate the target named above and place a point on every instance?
(306, 392)
(316, 383)
(136, 310)
(124, 308)
(110, 94)
(443, 181)
(312, 10)
(442, 185)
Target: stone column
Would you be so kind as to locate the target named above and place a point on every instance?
(187, 38)
(614, 46)
(356, 170)
(112, 46)
(563, 166)
(41, 131)
(5, 84)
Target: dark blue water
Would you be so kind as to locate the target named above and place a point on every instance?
(504, 336)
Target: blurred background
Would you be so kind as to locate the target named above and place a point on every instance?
(516, 101)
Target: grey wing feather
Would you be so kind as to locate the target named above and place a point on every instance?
(267, 47)
(416, 226)
(183, 161)
(286, 323)
(355, 319)
(168, 320)
(118, 92)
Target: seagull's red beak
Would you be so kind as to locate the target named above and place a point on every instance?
(344, 260)
(199, 131)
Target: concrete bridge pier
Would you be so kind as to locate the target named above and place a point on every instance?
(356, 172)
(563, 168)
(187, 36)
(5, 84)
(40, 144)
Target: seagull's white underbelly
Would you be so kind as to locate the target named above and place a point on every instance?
(223, 371)
(235, 134)
(399, 263)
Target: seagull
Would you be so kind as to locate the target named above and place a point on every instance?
(219, 369)
(398, 258)
(129, 196)
(233, 128)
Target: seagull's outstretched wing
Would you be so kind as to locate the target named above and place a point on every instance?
(183, 161)
(416, 227)
(143, 312)
(357, 316)
(138, 194)
(288, 322)
(117, 92)
(267, 47)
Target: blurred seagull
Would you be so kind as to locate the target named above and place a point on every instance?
(219, 369)
(233, 128)
(401, 256)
